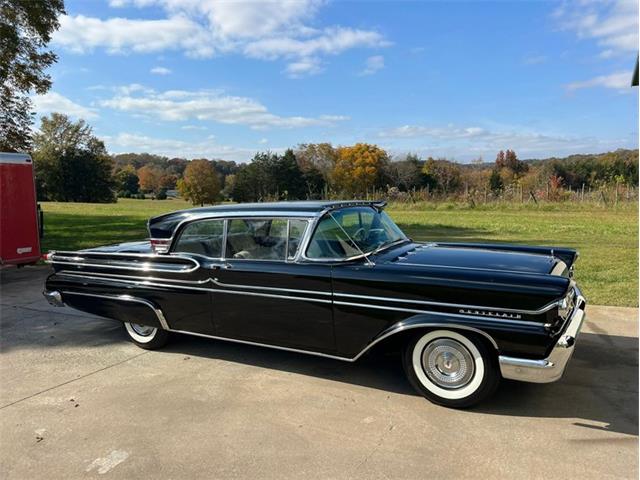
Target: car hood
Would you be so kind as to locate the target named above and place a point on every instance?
(476, 258)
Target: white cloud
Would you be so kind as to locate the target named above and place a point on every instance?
(331, 41)
(211, 105)
(304, 67)
(373, 64)
(52, 102)
(612, 23)
(451, 140)
(208, 148)
(267, 30)
(262, 141)
(619, 80)
(160, 71)
(82, 34)
(193, 127)
(448, 132)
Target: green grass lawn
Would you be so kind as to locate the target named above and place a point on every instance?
(606, 238)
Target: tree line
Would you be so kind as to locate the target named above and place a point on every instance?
(73, 165)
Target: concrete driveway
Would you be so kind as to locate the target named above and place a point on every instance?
(77, 400)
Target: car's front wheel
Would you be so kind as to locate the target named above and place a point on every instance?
(145, 336)
(451, 369)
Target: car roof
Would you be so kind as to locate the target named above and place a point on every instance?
(163, 226)
(298, 207)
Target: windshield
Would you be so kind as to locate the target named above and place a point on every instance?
(350, 232)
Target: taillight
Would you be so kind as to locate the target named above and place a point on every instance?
(160, 245)
(47, 256)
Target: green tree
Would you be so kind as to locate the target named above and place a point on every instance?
(200, 183)
(127, 181)
(288, 177)
(495, 182)
(442, 175)
(25, 30)
(71, 164)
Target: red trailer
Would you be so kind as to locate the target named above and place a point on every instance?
(19, 214)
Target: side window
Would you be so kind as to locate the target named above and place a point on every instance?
(203, 237)
(296, 231)
(257, 239)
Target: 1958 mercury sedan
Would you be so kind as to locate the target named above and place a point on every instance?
(335, 279)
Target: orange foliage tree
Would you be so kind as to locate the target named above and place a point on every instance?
(200, 183)
(150, 179)
(358, 168)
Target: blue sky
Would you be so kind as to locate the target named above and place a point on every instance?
(224, 79)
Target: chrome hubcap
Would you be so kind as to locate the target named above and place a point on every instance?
(143, 330)
(448, 363)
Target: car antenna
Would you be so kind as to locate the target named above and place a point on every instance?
(369, 261)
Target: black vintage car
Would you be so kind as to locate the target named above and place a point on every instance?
(335, 279)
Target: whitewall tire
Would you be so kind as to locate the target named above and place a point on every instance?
(145, 336)
(450, 368)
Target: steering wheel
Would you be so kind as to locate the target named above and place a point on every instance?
(359, 233)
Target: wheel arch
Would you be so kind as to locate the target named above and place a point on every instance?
(424, 322)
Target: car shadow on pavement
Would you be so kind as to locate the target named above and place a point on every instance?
(380, 370)
(599, 389)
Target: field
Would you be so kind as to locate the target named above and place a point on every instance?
(607, 238)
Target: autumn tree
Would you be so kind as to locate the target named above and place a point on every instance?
(359, 168)
(200, 183)
(25, 31)
(150, 179)
(314, 158)
(71, 164)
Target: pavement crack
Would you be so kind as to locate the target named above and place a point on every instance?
(73, 380)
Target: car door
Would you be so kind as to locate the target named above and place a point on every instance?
(263, 295)
(187, 304)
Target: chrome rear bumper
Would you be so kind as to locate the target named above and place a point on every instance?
(551, 368)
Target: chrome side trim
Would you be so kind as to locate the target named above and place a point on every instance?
(392, 331)
(267, 345)
(258, 287)
(117, 277)
(544, 309)
(218, 290)
(127, 298)
(445, 314)
(400, 328)
(403, 328)
(288, 297)
(94, 275)
(75, 260)
(551, 368)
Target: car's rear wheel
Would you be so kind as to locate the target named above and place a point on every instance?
(451, 369)
(145, 336)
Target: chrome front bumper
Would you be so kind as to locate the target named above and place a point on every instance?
(54, 298)
(551, 368)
